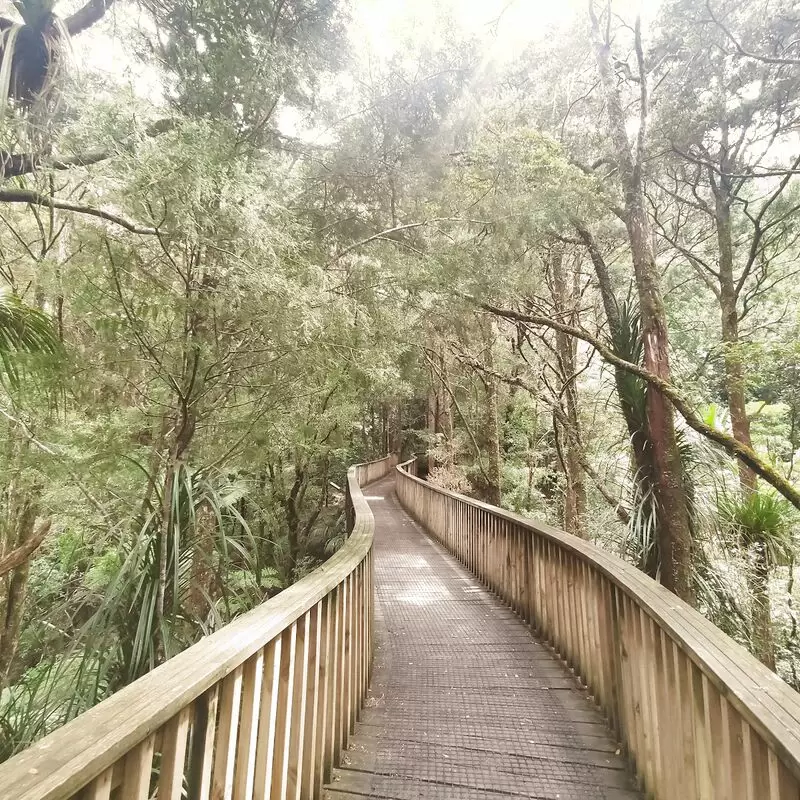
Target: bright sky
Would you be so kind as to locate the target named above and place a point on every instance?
(507, 25)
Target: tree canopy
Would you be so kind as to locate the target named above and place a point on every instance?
(247, 244)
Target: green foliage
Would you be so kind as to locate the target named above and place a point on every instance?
(24, 331)
(760, 518)
(182, 406)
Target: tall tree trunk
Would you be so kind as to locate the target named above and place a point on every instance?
(642, 468)
(431, 410)
(734, 368)
(202, 571)
(759, 568)
(293, 517)
(183, 430)
(760, 611)
(675, 533)
(565, 297)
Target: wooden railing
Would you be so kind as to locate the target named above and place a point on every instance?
(698, 715)
(260, 709)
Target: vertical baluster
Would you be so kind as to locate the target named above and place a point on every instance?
(518, 563)
(528, 578)
(655, 712)
(333, 741)
(539, 613)
(612, 657)
(360, 648)
(363, 647)
(669, 733)
(227, 731)
(100, 787)
(343, 703)
(683, 698)
(252, 680)
(298, 715)
(548, 590)
(598, 630)
(323, 685)
(173, 756)
(203, 733)
(560, 640)
(350, 662)
(626, 684)
(579, 661)
(713, 719)
(782, 785)
(756, 764)
(265, 764)
(587, 611)
(283, 731)
(137, 770)
(733, 750)
(643, 685)
(704, 755)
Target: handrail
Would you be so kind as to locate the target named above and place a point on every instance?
(698, 715)
(262, 708)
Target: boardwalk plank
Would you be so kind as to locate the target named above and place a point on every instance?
(465, 704)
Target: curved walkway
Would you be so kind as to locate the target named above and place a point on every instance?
(465, 704)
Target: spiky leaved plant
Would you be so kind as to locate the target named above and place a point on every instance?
(32, 52)
(761, 524)
(201, 547)
(641, 544)
(211, 557)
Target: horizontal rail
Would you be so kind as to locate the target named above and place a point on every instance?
(260, 709)
(699, 716)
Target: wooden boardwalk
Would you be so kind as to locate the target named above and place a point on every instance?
(465, 704)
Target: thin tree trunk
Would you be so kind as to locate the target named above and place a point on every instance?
(734, 368)
(491, 419)
(202, 572)
(23, 507)
(445, 405)
(761, 617)
(759, 571)
(566, 349)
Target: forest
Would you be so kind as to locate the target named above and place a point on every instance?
(555, 254)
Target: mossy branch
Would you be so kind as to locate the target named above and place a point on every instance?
(735, 448)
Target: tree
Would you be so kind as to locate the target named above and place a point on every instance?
(675, 535)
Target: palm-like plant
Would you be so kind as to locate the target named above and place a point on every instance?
(761, 519)
(761, 523)
(200, 545)
(32, 52)
(24, 330)
(641, 544)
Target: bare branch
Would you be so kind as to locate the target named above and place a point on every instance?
(87, 15)
(397, 229)
(37, 199)
(643, 96)
(516, 381)
(15, 164)
(741, 50)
